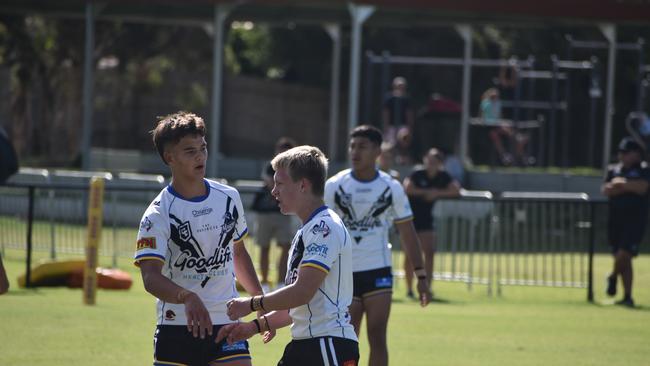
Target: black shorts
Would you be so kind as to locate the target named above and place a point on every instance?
(372, 282)
(321, 351)
(423, 223)
(626, 235)
(174, 345)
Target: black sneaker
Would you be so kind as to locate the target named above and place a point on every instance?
(626, 302)
(611, 285)
(410, 294)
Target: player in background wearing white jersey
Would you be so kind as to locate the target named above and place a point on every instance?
(190, 248)
(369, 201)
(318, 287)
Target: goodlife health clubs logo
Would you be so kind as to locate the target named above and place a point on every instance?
(192, 256)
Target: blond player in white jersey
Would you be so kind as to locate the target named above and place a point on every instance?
(369, 201)
(318, 287)
(190, 248)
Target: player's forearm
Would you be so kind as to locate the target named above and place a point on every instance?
(411, 244)
(288, 297)
(163, 288)
(276, 320)
(298, 293)
(245, 271)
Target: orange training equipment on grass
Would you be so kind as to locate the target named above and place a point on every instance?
(95, 210)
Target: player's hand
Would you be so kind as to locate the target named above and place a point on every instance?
(198, 317)
(236, 332)
(423, 291)
(238, 307)
(269, 334)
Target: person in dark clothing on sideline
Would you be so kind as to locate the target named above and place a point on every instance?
(626, 186)
(423, 187)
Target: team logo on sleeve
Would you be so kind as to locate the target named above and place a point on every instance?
(144, 243)
(146, 224)
(321, 228)
(317, 249)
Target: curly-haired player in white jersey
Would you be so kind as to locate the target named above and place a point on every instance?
(369, 201)
(318, 287)
(190, 248)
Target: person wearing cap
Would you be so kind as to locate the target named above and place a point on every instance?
(626, 186)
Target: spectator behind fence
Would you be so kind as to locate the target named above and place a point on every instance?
(490, 109)
(424, 186)
(190, 247)
(626, 186)
(4, 281)
(397, 111)
(271, 223)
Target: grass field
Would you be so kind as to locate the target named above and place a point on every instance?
(526, 326)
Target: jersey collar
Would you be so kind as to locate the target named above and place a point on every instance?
(171, 190)
(316, 212)
(364, 181)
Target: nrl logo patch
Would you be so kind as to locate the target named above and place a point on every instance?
(146, 224)
(321, 228)
(184, 231)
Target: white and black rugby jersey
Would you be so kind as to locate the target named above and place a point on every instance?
(323, 243)
(368, 209)
(194, 238)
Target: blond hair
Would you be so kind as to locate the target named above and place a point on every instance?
(304, 162)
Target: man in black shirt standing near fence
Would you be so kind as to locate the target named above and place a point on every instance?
(626, 186)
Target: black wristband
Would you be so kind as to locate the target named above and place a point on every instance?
(262, 302)
(252, 308)
(266, 320)
(257, 324)
(422, 277)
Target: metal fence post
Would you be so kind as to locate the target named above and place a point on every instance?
(590, 260)
(30, 220)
